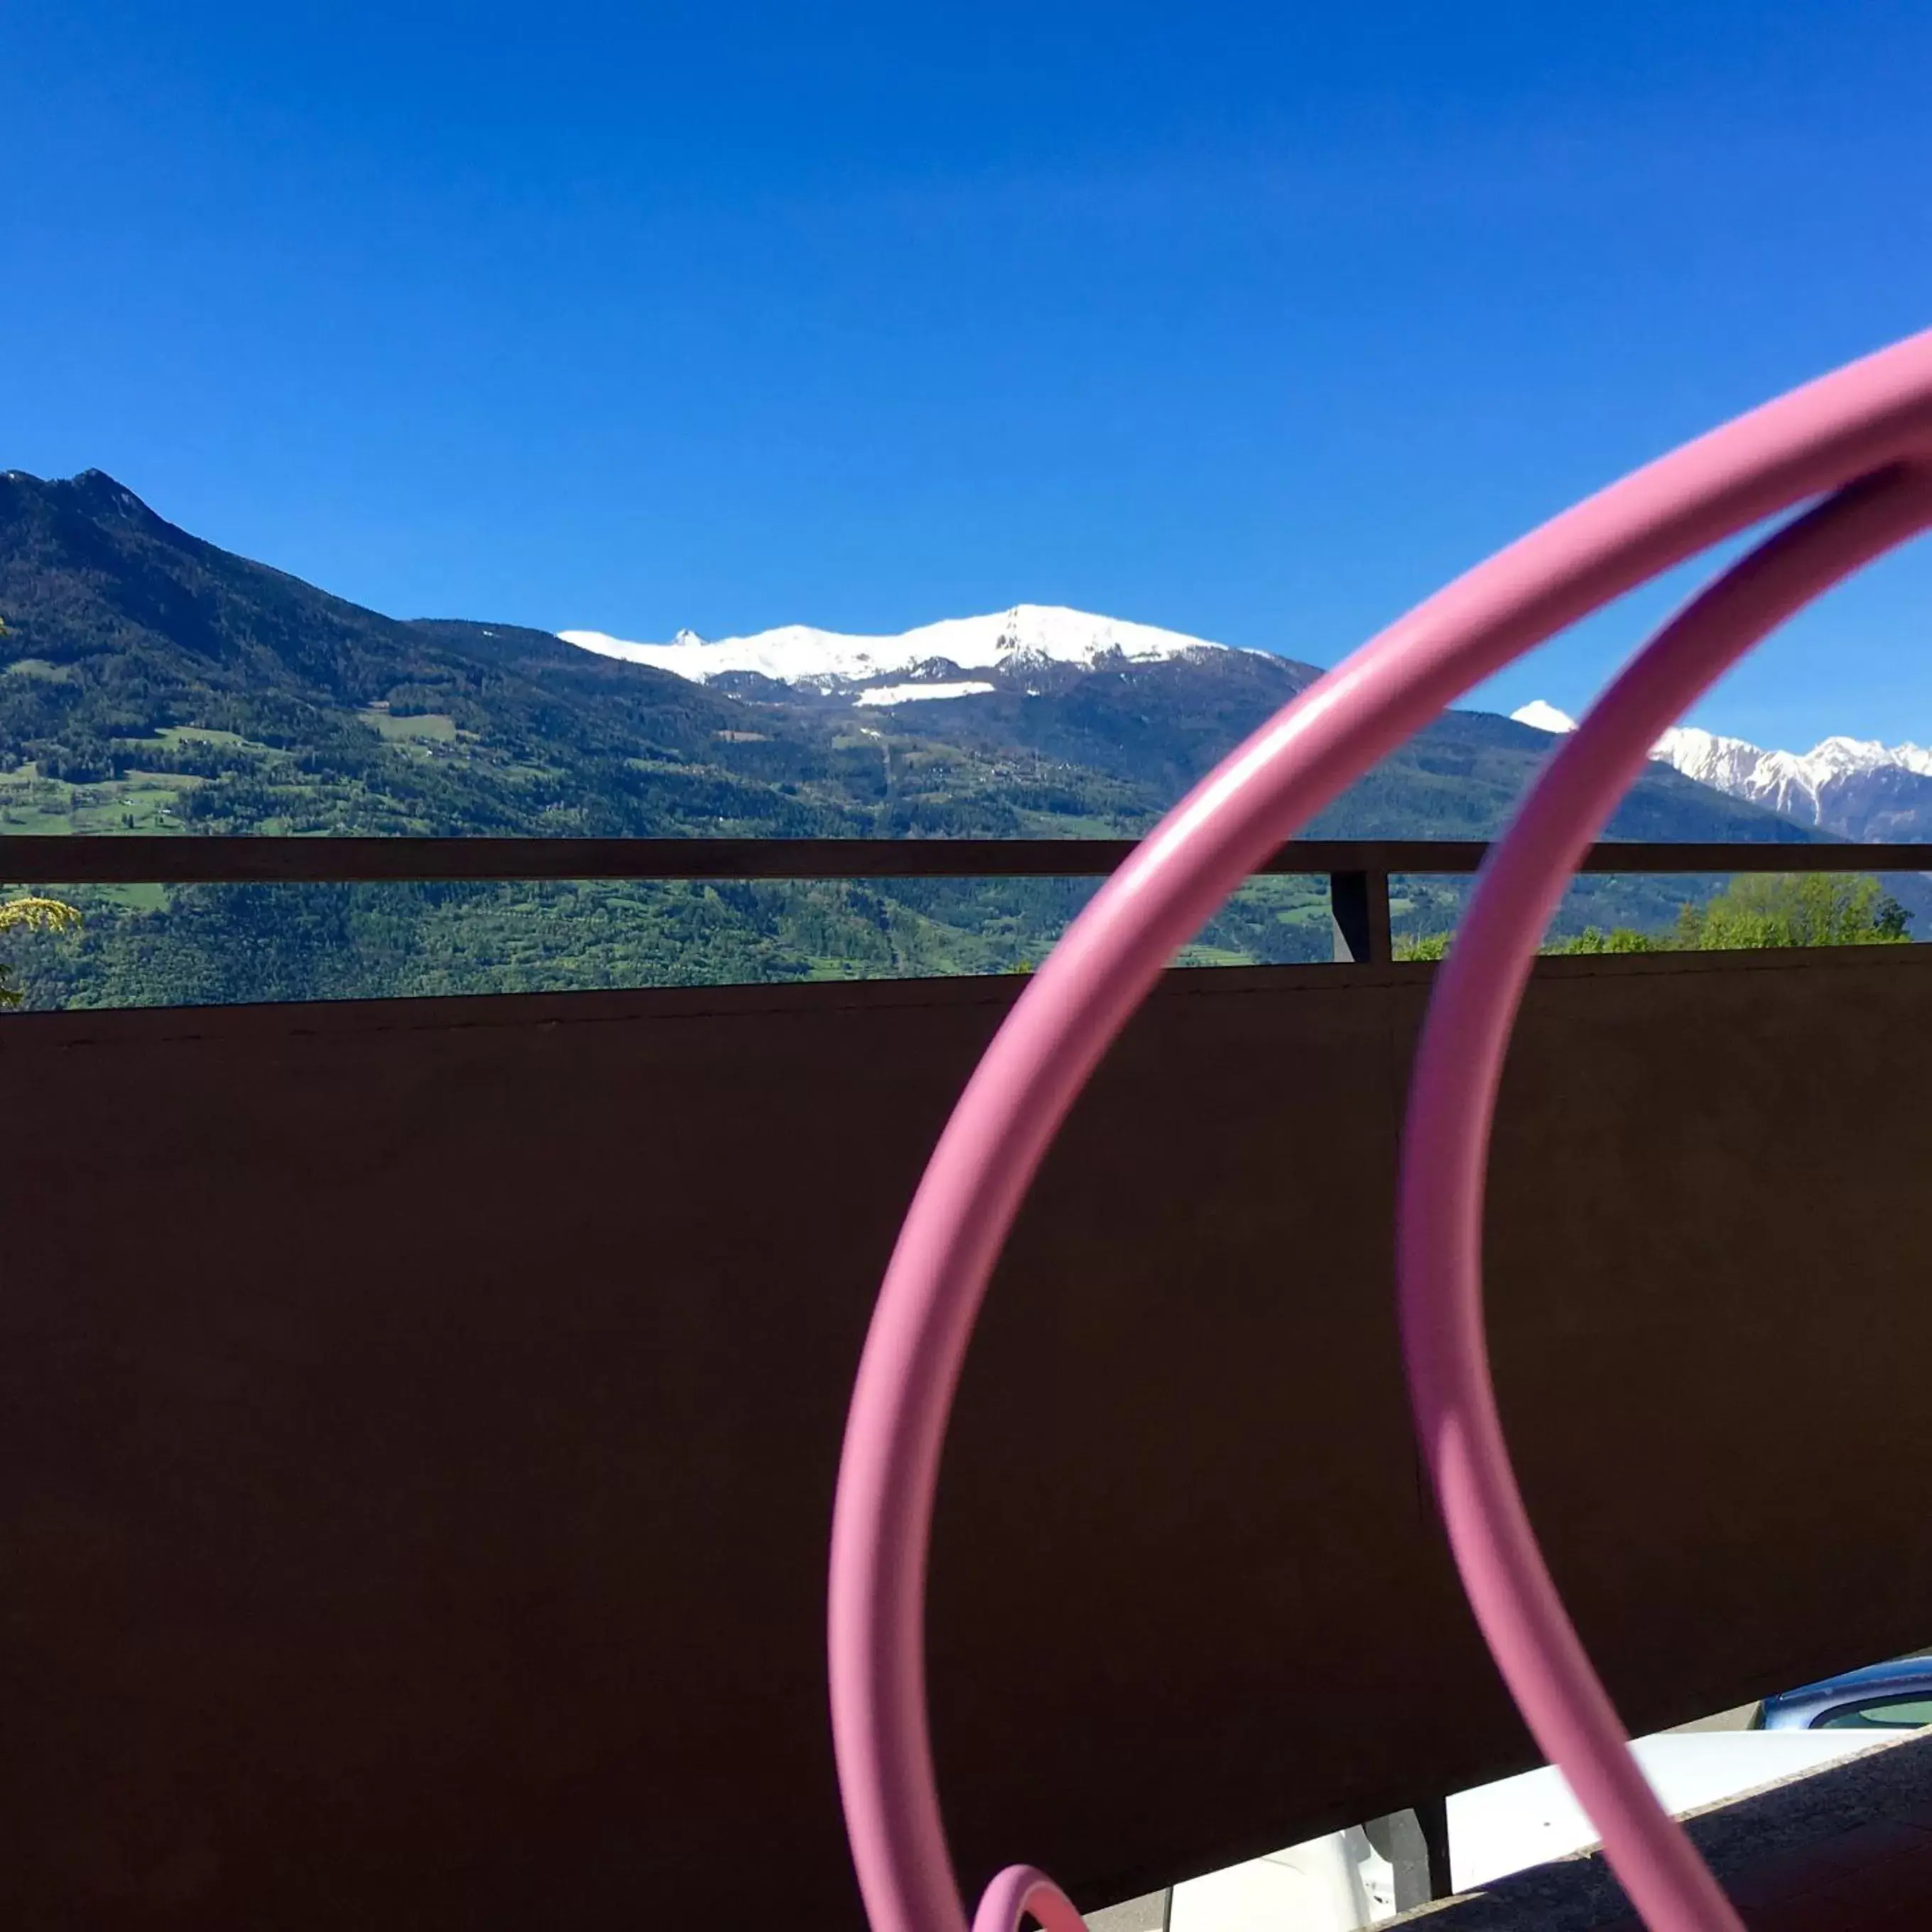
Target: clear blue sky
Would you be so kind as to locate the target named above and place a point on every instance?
(1257, 321)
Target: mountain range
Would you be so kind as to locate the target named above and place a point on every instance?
(1854, 788)
(150, 681)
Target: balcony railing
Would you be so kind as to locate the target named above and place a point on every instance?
(421, 1416)
(1358, 870)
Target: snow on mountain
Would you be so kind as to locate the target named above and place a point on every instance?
(908, 694)
(1787, 781)
(1854, 786)
(1865, 755)
(831, 660)
(1541, 717)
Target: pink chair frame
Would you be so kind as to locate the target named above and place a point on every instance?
(1850, 446)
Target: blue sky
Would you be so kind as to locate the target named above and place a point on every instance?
(1257, 321)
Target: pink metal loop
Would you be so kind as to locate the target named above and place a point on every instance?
(1452, 1099)
(1020, 1890)
(1872, 413)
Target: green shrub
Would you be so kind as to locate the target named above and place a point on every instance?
(1760, 910)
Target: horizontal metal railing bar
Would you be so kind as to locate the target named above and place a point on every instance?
(189, 860)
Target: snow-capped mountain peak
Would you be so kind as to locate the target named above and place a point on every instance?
(1867, 754)
(934, 653)
(1732, 764)
(1541, 716)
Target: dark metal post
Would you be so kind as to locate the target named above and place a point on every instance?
(1432, 1819)
(1358, 906)
(1416, 1844)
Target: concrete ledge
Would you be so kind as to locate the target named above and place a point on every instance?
(1884, 1786)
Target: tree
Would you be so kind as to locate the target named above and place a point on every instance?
(31, 915)
(1787, 909)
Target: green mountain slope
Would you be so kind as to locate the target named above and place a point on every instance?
(133, 648)
(1163, 725)
(152, 682)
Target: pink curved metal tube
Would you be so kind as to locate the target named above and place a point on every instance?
(1452, 1098)
(1019, 1890)
(1871, 413)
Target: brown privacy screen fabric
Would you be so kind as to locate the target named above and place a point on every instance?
(418, 1422)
